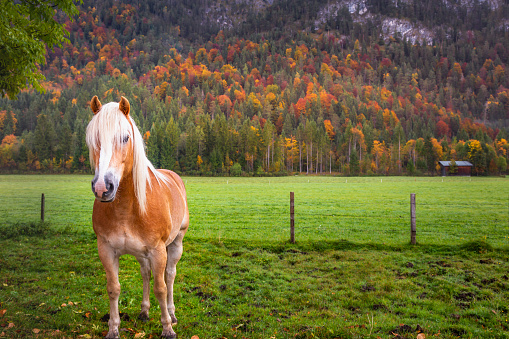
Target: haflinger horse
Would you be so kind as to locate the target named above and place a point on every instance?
(138, 210)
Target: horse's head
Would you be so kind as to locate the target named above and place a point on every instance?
(110, 139)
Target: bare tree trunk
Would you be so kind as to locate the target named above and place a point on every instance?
(349, 148)
(330, 161)
(268, 158)
(307, 159)
(321, 163)
(292, 162)
(272, 155)
(311, 151)
(300, 158)
(399, 154)
(287, 159)
(317, 156)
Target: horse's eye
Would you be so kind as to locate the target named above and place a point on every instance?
(125, 139)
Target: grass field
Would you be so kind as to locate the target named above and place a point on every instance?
(352, 273)
(450, 211)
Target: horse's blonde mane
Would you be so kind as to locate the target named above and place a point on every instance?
(110, 126)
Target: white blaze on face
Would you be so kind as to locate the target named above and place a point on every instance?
(104, 163)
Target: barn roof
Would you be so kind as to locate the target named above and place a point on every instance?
(458, 163)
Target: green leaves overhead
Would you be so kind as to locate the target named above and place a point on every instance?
(26, 29)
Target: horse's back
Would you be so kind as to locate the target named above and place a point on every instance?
(178, 201)
(174, 177)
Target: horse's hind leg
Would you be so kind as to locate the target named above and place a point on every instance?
(158, 265)
(145, 274)
(174, 251)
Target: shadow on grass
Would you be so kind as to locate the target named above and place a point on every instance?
(475, 246)
(36, 229)
(45, 229)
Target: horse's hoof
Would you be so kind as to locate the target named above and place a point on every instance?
(112, 335)
(169, 335)
(143, 317)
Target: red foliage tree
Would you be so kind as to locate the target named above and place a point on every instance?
(442, 129)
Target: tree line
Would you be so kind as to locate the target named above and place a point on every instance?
(321, 102)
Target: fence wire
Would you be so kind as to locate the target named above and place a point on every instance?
(244, 213)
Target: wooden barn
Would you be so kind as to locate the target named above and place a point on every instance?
(461, 168)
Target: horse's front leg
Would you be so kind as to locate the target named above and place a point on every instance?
(145, 274)
(158, 264)
(109, 259)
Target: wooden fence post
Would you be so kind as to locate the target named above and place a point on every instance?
(413, 230)
(42, 207)
(292, 219)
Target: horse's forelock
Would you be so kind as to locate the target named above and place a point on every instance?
(109, 125)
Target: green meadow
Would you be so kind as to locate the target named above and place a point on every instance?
(351, 274)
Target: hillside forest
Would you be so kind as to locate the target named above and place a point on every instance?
(271, 96)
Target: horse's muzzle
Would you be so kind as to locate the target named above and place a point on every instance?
(104, 190)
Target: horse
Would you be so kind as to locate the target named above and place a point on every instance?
(138, 210)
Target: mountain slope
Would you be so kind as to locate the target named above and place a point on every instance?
(285, 86)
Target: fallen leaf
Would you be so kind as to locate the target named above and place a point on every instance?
(195, 337)
(2, 312)
(70, 303)
(36, 330)
(11, 325)
(421, 336)
(64, 305)
(139, 335)
(2, 334)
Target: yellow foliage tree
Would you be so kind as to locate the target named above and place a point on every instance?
(329, 129)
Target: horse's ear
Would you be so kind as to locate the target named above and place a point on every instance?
(124, 106)
(95, 104)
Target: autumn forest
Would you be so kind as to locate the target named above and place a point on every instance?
(276, 94)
